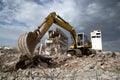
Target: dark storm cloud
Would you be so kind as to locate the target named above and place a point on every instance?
(100, 14)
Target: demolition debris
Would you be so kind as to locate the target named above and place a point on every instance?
(57, 42)
(103, 65)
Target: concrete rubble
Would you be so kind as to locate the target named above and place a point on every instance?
(57, 42)
(100, 66)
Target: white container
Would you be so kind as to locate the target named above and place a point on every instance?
(96, 40)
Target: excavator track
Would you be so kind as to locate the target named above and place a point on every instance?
(27, 43)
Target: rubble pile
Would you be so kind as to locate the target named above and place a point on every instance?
(57, 42)
(100, 66)
(5, 49)
(8, 58)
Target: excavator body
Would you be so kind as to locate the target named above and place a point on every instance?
(28, 41)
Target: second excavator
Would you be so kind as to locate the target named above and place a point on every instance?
(28, 41)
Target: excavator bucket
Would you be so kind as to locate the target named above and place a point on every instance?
(27, 43)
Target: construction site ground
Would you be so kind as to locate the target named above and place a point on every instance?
(100, 66)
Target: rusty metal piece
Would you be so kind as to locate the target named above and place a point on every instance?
(27, 43)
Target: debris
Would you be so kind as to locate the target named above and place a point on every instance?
(56, 43)
(60, 66)
(24, 62)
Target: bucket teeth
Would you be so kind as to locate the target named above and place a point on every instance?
(27, 43)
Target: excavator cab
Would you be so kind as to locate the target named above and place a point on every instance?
(82, 40)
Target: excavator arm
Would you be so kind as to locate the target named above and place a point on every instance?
(27, 42)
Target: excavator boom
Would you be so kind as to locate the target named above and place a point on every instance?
(28, 41)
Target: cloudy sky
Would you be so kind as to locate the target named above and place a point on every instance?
(20, 16)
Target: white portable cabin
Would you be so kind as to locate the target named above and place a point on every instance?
(96, 40)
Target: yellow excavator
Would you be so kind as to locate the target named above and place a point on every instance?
(28, 41)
